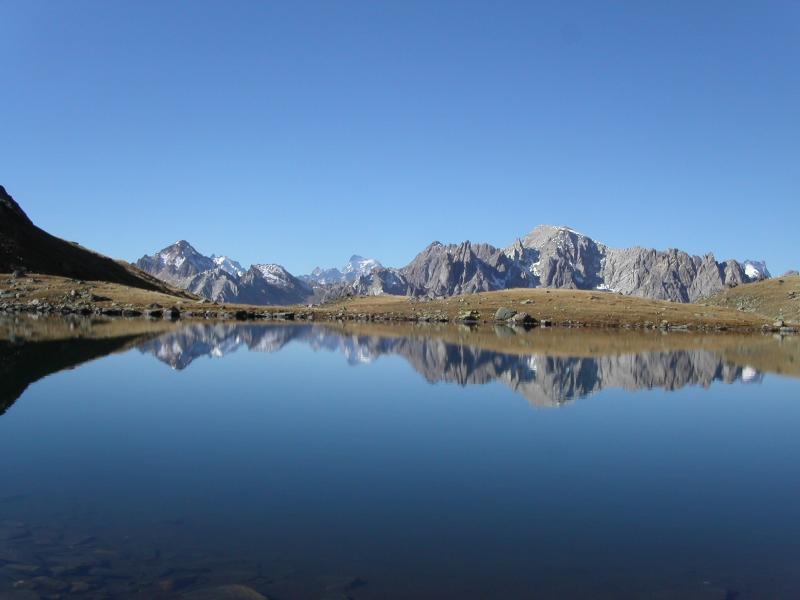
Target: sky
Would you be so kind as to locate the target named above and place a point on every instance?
(303, 132)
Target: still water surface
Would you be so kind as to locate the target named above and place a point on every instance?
(308, 461)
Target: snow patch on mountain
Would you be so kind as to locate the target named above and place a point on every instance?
(756, 270)
(273, 273)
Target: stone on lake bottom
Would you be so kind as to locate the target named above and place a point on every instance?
(225, 592)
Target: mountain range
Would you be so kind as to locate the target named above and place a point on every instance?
(548, 256)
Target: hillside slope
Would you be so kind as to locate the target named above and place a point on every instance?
(772, 298)
(24, 246)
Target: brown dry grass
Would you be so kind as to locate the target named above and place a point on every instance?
(568, 307)
(54, 289)
(600, 309)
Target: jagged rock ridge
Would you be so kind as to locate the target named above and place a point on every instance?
(560, 257)
(548, 256)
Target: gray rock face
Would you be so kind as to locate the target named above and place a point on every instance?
(563, 258)
(216, 284)
(559, 257)
(464, 268)
(272, 284)
(381, 281)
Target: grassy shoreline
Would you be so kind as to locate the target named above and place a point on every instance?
(46, 294)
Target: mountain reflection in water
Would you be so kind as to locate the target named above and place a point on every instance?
(543, 379)
(294, 475)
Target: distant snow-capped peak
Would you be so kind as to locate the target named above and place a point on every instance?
(756, 269)
(228, 265)
(272, 272)
(178, 253)
(356, 266)
(359, 264)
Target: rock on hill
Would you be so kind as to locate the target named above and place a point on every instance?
(23, 246)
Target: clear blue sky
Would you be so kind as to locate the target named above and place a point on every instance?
(302, 132)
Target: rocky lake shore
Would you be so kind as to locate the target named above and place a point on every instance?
(525, 308)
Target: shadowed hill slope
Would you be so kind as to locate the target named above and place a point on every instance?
(24, 246)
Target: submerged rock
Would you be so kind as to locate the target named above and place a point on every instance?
(177, 583)
(700, 591)
(468, 316)
(225, 592)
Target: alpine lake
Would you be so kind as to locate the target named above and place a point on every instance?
(206, 460)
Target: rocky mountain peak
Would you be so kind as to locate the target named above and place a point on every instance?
(545, 234)
(178, 249)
